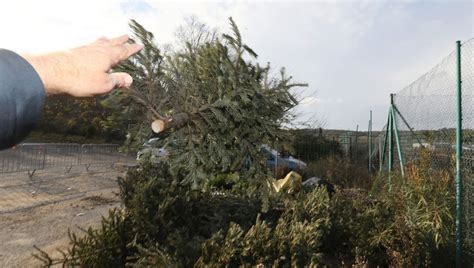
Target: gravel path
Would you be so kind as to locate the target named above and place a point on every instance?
(39, 211)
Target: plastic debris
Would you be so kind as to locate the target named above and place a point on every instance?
(291, 183)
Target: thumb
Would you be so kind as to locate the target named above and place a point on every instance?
(120, 80)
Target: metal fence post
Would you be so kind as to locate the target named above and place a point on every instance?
(369, 130)
(382, 158)
(458, 158)
(397, 139)
(390, 144)
(380, 153)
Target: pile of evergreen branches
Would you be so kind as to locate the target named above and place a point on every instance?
(167, 224)
(181, 213)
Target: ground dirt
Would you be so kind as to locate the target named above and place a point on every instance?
(40, 210)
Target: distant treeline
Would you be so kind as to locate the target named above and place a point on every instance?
(312, 145)
(97, 119)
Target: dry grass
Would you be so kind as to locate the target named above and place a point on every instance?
(340, 171)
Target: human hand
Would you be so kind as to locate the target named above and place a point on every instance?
(85, 71)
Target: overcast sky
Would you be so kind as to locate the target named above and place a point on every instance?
(351, 53)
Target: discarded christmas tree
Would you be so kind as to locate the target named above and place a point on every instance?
(213, 108)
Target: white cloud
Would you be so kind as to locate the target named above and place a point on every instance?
(39, 26)
(309, 100)
(353, 52)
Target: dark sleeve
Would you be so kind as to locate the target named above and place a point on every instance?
(22, 98)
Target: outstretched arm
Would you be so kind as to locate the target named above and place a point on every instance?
(79, 72)
(85, 71)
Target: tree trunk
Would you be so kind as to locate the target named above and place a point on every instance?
(175, 121)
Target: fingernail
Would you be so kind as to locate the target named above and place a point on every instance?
(128, 81)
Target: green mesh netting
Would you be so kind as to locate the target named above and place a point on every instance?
(426, 118)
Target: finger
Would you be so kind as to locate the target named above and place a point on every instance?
(123, 52)
(119, 80)
(119, 40)
(102, 40)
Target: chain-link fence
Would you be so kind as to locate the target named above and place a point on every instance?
(423, 125)
(317, 144)
(31, 157)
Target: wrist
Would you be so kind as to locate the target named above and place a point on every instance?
(49, 68)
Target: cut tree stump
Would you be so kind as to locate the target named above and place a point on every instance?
(175, 121)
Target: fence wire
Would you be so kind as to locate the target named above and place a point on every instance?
(31, 157)
(425, 114)
(467, 77)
